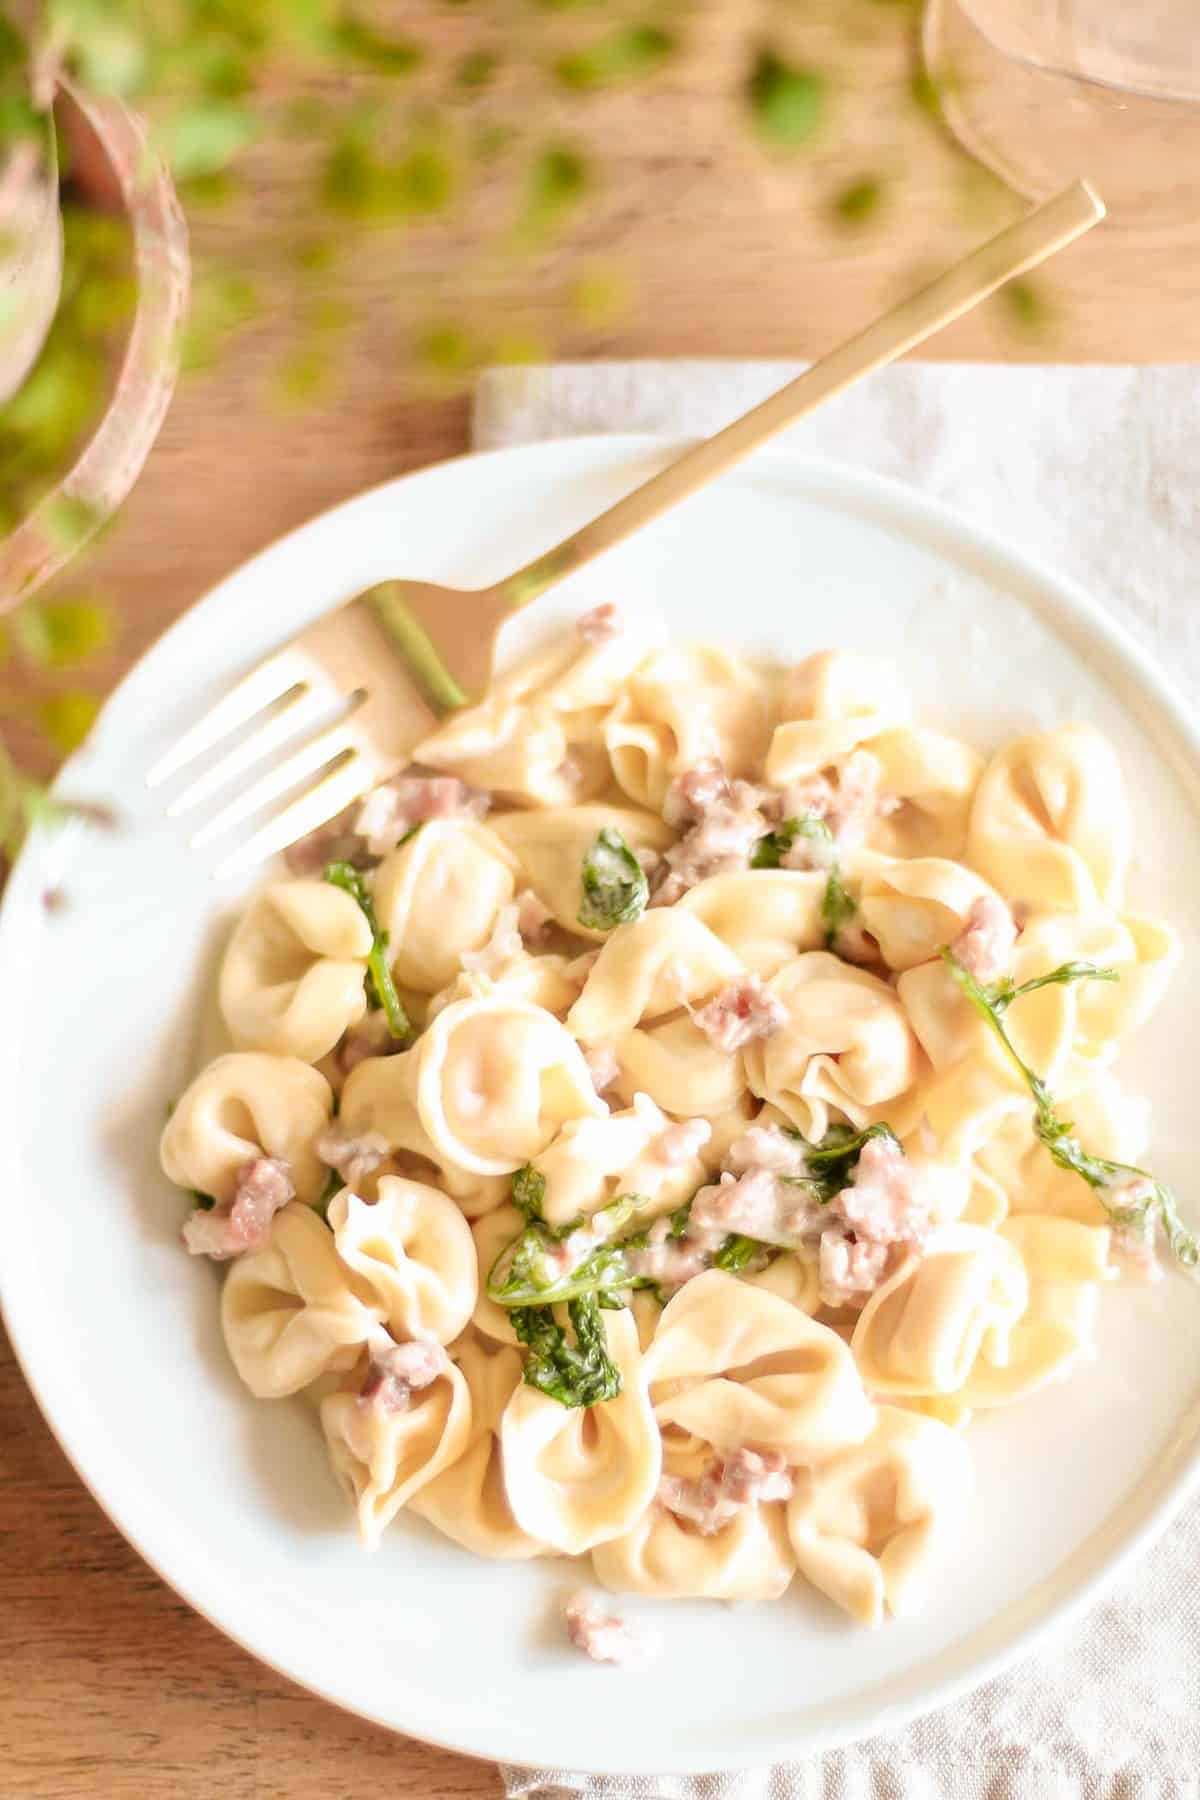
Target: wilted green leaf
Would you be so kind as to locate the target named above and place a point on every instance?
(329, 315)
(600, 296)
(304, 376)
(67, 717)
(1026, 304)
(447, 349)
(559, 176)
(476, 69)
(788, 103)
(358, 41)
(629, 51)
(108, 52)
(221, 303)
(518, 347)
(314, 256)
(491, 140)
(60, 632)
(203, 138)
(859, 200)
(214, 190)
(425, 180)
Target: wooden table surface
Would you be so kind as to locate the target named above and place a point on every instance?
(112, 1688)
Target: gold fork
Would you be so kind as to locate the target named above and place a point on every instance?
(401, 654)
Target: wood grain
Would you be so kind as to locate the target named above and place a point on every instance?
(113, 1689)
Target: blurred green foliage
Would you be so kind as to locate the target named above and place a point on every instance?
(402, 113)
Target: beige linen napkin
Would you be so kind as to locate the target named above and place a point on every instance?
(1098, 471)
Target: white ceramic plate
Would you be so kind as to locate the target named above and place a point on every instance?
(104, 1015)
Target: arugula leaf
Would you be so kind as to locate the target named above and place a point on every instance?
(578, 1374)
(839, 1150)
(531, 1270)
(528, 1193)
(381, 989)
(1056, 1134)
(770, 850)
(738, 1252)
(615, 890)
(333, 1185)
(837, 906)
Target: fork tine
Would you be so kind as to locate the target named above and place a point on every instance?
(304, 710)
(270, 681)
(319, 751)
(348, 781)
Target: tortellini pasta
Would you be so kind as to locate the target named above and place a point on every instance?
(292, 1311)
(749, 1558)
(1065, 1261)
(242, 1106)
(1050, 822)
(865, 1525)
(469, 1500)
(550, 847)
(413, 1249)
(829, 705)
(292, 979)
(437, 896)
(682, 707)
(846, 1045)
(537, 738)
(930, 781)
(737, 1365)
(925, 1329)
(487, 1086)
(911, 908)
(753, 1160)
(765, 917)
(382, 1456)
(592, 1161)
(676, 1065)
(577, 1477)
(650, 968)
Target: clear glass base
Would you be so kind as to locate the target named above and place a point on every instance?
(1039, 129)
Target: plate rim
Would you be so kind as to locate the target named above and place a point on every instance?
(1064, 599)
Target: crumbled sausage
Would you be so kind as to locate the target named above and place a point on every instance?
(740, 1013)
(354, 1155)
(849, 802)
(601, 625)
(390, 812)
(670, 1261)
(881, 1208)
(758, 1205)
(849, 1270)
(882, 1202)
(985, 944)
(766, 1147)
(335, 841)
(262, 1186)
(742, 1478)
(605, 1637)
(722, 822)
(372, 1036)
(395, 1372)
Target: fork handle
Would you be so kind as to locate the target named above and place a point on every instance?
(1018, 247)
